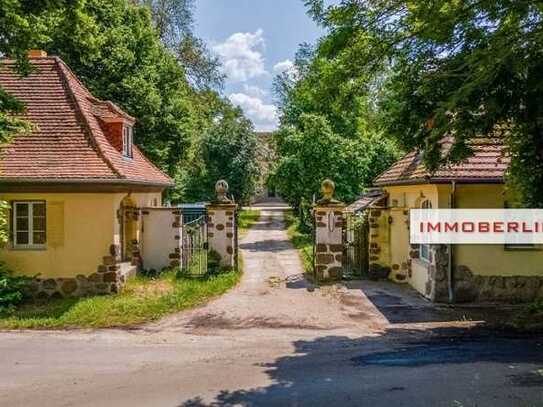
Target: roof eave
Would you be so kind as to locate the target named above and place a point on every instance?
(462, 180)
(110, 181)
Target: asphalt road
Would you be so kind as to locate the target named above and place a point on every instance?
(277, 341)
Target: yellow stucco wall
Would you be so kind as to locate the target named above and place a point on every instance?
(159, 238)
(140, 200)
(492, 260)
(489, 260)
(401, 199)
(80, 229)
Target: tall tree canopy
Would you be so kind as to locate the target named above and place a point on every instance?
(173, 20)
(226, 150)
(312, 151)
(127, 52)
(470, 68)
(329, 124)
(21, 28)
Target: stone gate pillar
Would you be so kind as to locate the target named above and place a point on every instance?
(221, 226)
(328, 214)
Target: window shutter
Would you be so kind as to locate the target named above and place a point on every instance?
(9, 214)
(55, 224)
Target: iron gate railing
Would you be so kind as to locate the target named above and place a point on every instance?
(192, 212)
(355, 245)
(194, 248)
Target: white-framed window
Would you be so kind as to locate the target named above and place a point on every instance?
(29, 224)
(127, 141)
(516, 246)
(424, 250)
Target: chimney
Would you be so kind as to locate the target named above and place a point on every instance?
(36, 53)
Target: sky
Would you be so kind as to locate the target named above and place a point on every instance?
(255, 40)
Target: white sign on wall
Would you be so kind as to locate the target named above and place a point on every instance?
(476, 226)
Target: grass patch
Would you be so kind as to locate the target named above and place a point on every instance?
(246, 219)
(303, 241)
(143, 299)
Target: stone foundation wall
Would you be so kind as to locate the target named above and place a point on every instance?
(469, 287)
(108, 279)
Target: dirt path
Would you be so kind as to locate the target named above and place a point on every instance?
(273, 293)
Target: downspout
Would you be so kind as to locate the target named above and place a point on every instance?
(450, 249)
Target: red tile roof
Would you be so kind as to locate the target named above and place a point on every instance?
(366, 200)
(67, 142)
(488, 164)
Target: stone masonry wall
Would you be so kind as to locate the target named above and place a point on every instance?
(221, 234)
(328, 260)
(470, 287)
(378, 261)
(108, 279)
(401, 268)
(328, 242)
(175, 256)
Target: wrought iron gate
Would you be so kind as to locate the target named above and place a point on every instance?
(194, 248)
(355, 245)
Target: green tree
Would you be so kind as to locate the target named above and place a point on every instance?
(114, 49)
(312, 151)
(174, 20)
(468, 68)
(226, 150)
(329, 122)
(21, 28)
(126, 52)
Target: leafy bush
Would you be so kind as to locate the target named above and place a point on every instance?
(301, 237)
(12, 289)
(213, 262)
(530, 318)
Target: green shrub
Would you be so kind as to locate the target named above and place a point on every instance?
(12, 289)
(213, 262)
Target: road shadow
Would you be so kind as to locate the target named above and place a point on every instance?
(439, 367)
(267, 245)
(268, 226)
(401, 304)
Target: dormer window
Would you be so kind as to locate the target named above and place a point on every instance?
(127, 141)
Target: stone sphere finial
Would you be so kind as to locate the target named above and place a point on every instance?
(221, 188)
(327, 189)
